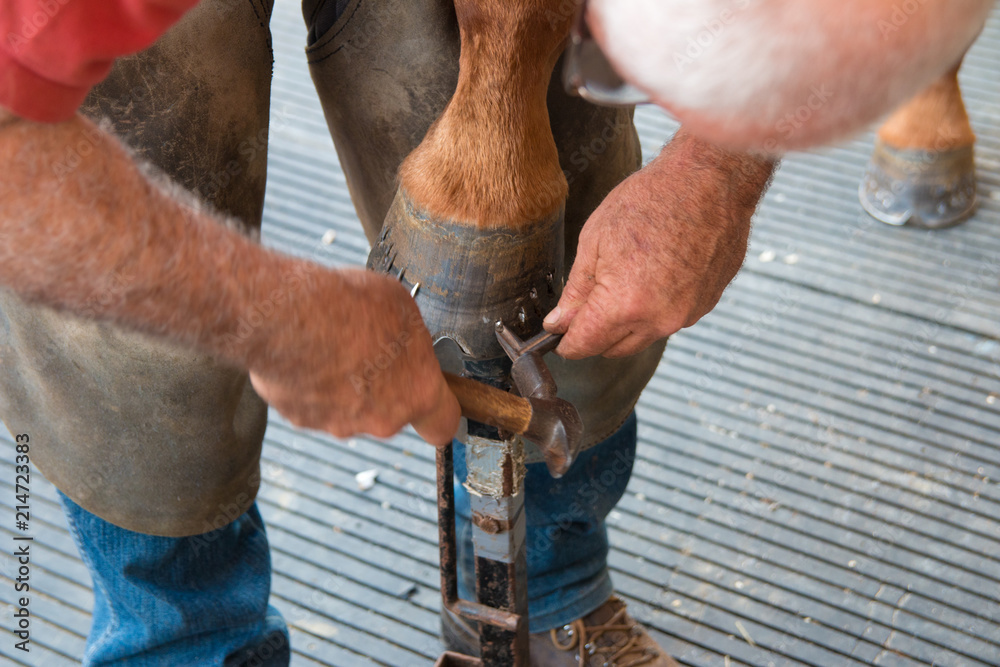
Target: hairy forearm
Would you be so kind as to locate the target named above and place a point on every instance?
(84, 230)
(740, 178)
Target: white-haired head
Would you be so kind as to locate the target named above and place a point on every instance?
(783, 74)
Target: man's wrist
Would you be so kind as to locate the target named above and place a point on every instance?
(273, 293)
(746, 175)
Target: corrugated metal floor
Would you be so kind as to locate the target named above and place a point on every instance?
(825, 494)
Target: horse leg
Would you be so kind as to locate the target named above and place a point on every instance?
(922, 171)
(483, 194)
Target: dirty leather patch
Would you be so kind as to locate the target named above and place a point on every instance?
(320, 16)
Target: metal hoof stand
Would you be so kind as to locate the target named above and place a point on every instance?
(495, 463)
(496, 482)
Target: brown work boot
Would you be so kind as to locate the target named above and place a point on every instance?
(606, 637)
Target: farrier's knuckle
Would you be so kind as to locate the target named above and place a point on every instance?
(632, 307)
(619, 352)
(294, 420)
(668, 326)
(572, 349)
(426, 403)
(573, 291)
(338, 431)
(602, 309)
(382, 430)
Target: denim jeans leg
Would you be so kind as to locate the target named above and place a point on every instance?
(567, 539)
(199, 600)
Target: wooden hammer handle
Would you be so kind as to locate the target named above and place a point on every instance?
(489, 405)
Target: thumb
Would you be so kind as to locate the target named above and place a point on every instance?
(577, 290)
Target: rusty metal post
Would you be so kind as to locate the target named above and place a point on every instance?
(501, 585)
(496, 487)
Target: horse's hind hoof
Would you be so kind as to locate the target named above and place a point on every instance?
(919, 188)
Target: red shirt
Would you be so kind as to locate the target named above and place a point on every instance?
(52, 52)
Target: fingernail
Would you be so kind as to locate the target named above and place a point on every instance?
(553, 317)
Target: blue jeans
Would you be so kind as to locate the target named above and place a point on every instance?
(202, 600)
(567, 539)
(192, 601)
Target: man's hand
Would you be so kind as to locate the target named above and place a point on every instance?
(657, 254)
(352, 355)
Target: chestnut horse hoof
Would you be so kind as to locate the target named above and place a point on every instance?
(919, 188)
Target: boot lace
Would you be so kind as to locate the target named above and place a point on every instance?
(625, 652)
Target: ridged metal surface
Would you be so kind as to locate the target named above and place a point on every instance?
(817, 481)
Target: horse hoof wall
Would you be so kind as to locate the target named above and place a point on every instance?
(919, 188)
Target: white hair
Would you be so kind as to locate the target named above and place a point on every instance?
(780, 74)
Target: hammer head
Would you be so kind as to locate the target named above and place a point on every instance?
(557, 429)
(555, 424)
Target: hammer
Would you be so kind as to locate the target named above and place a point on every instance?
(551, 423)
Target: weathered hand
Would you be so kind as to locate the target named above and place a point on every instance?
(657, 254)
(353, 356)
